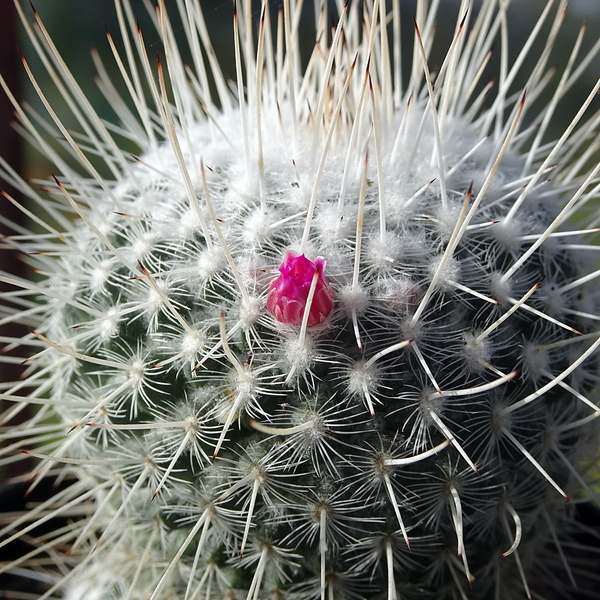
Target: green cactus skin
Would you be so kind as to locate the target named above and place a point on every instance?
(422, 441)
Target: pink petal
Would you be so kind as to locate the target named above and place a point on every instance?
(288, 292)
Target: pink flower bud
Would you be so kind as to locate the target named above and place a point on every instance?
(288, 292)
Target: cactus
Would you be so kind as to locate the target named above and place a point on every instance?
(329, 335)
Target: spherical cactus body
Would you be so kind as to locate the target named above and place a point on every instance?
(330, 335)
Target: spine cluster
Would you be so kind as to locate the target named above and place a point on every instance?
(329, 336)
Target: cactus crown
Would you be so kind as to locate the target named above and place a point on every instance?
(330, 336)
